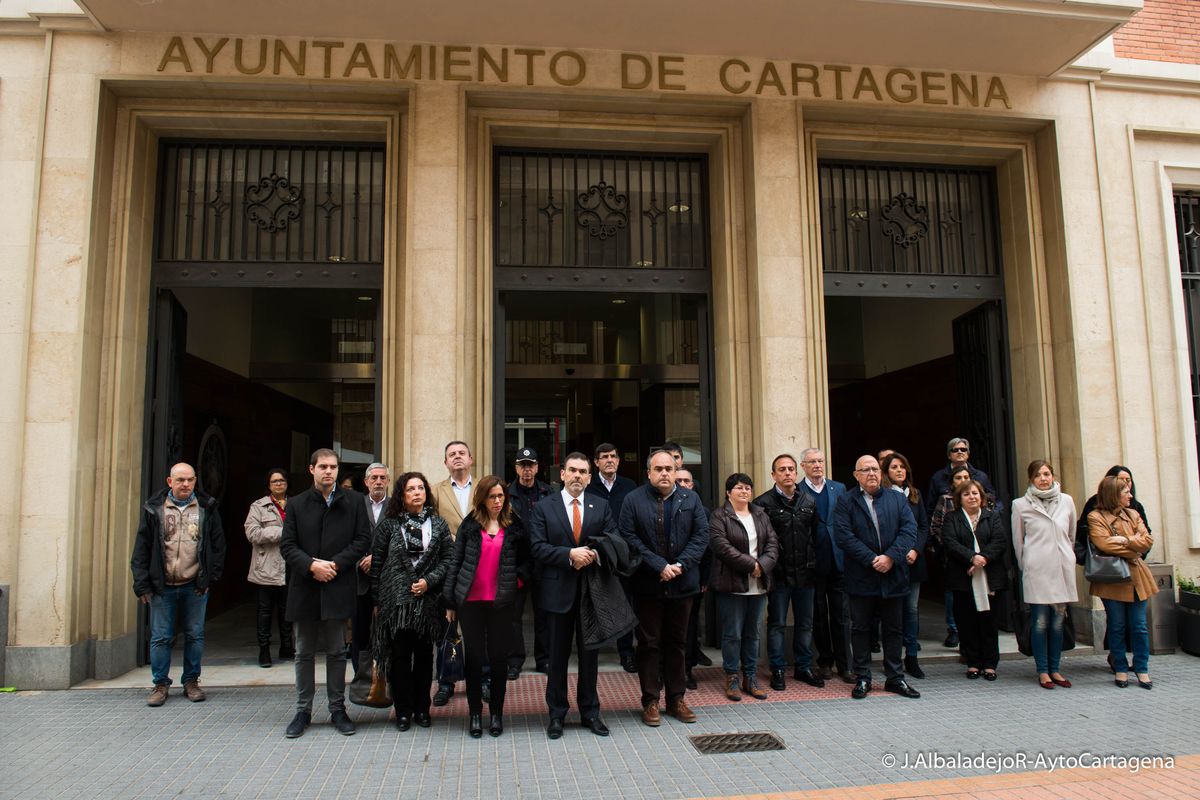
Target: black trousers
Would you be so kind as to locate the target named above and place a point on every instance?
(360, 633)
(977, 632)
(541, 635)
(487, 639)
(410, 673)
(831, 624)
(693, 631)
(890, 611)
(272, 602)
(662, 645)
(565, 629)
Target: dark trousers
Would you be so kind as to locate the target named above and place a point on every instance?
(625, 648)
(328, 635)
(272, 600)
(410, 673)
(661, 645)
(890, 611)
(977, 631)
(487, 638)
(360, 634)
(516, 657)
(693, 631)
(565, 629)
(831, 624)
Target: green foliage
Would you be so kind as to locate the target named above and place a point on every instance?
(1187, 584)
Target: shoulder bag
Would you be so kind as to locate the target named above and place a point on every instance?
(1102, 568)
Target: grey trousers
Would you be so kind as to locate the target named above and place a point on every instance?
(328, 635)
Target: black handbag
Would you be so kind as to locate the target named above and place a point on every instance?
(1024, 625)
(450, 656)
(1102, 568)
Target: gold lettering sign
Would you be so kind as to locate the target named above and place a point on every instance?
(545, 67)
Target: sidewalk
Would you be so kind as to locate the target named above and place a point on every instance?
(107, 743)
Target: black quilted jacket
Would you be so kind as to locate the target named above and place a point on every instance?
(515, 562)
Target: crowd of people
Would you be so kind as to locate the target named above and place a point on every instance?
(601, 559)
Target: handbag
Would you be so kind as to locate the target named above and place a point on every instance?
(379, 696)
(451, 664)
(1102, 568)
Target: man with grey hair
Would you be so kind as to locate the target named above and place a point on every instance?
(376, 479)
(958, 451)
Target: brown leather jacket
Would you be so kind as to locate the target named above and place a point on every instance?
(1123, 535)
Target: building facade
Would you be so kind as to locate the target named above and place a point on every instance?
(851, 225)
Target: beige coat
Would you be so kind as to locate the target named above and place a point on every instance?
(1123, 535)
(264, 527)
(447, 503)
(1044, 544)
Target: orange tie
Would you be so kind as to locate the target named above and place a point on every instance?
(576, 520)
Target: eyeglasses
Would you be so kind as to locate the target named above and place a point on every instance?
(813, 461)
(959, 450)
(868, 470)
(279, 480)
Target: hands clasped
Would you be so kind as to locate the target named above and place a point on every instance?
(581, 557)
(323, 571)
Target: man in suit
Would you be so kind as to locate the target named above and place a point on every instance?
(524, 493)
(326, 532)
(453, 502)
(831, 615)
(875, 529)
(376, 499)
(613, 488)
(559, 530)
(667, 527)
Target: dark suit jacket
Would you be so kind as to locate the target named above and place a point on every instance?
(364, 578)
(550, 541)
(622, 486)
(339, 533)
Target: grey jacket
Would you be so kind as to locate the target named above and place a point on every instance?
(264, 526)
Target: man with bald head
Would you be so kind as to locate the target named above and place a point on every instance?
(875, 530)
(178, 552)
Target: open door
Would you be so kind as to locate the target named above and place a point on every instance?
(981, 377)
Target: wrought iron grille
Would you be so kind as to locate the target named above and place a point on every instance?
(572, 209)
(909, 219)
(288, 203)
(1187, 229)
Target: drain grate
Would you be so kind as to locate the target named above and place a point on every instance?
(751, 742)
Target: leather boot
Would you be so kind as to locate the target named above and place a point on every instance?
(264, 655)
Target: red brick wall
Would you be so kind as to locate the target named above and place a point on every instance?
(1164, 30)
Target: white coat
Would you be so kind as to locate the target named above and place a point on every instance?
(1044, 544)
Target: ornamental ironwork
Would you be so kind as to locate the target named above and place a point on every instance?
(602, 210)
(905, 220)
(272, 203)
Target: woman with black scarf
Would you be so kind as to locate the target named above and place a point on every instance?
(408, 565)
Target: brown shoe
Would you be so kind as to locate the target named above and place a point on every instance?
(158, 695)
(193, 692)
(731, 688)
(750, 686)
(680, 711)
(650, 715)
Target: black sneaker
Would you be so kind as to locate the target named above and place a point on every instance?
(295, 728)
(951, 639)
(628, 663)
(514, 673)
(443, 695)
(342, 723)
(778, 683)
(703, 660)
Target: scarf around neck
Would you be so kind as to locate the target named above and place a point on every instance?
(1044, 499)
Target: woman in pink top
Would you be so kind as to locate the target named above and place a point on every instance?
(490, 562)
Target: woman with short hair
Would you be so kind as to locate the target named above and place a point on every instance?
(264, 528)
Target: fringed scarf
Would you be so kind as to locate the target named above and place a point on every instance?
(399, 608)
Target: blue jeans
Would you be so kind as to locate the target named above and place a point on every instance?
(1128, 619)
(741, 628)
(184, 601)
(912, 621)
(801, 600)
(948, 597)
(1045, 636)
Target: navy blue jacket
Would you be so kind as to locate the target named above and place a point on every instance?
(688, 541)
(829, 555)
(860, 542)
(939, 484)
(551, 542)
(622, 486)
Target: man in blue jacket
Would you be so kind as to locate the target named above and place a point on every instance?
(831, 615)
(875, 530)
(667, 527)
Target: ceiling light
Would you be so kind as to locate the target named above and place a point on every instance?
(679, 208)
(337, 259)
(644, 263)
(618, 301)
(365, 297)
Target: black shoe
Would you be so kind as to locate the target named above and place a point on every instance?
(703, 660)
(848, 677)
(876, 647)
(264, 655)
(809, 677)
(900, 687)
(286, 652)
(295, 728)
(778, 684)
(443, 695)
(543, 667)
(951, 639)
(514, 673)
(690, 680)
(554, 729)
(861, 689)
(596, 726)
(422, 718)
(476, 729)
(342, 723)
(486, 689)
(628, 663)
(912, 667)
(495, 725)
(403, 723)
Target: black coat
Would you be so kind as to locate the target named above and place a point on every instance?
(795, 527)
(551, 541)
(605, 614)
(688, 541)
(523, 500)
(939, 484)
(340, 533)
(515, 562)
(147, 561)
(622, 486)
(729, 542)
(959, 548)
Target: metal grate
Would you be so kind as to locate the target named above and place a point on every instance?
(909, 219)
(575, 209)
(1187, 229)
(753, 742)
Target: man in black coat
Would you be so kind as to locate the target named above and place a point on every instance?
(667, 527)
(524, 493)
(326, 532)
(377, 480)
(613, 489)
(958, 451)
(559, 529)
